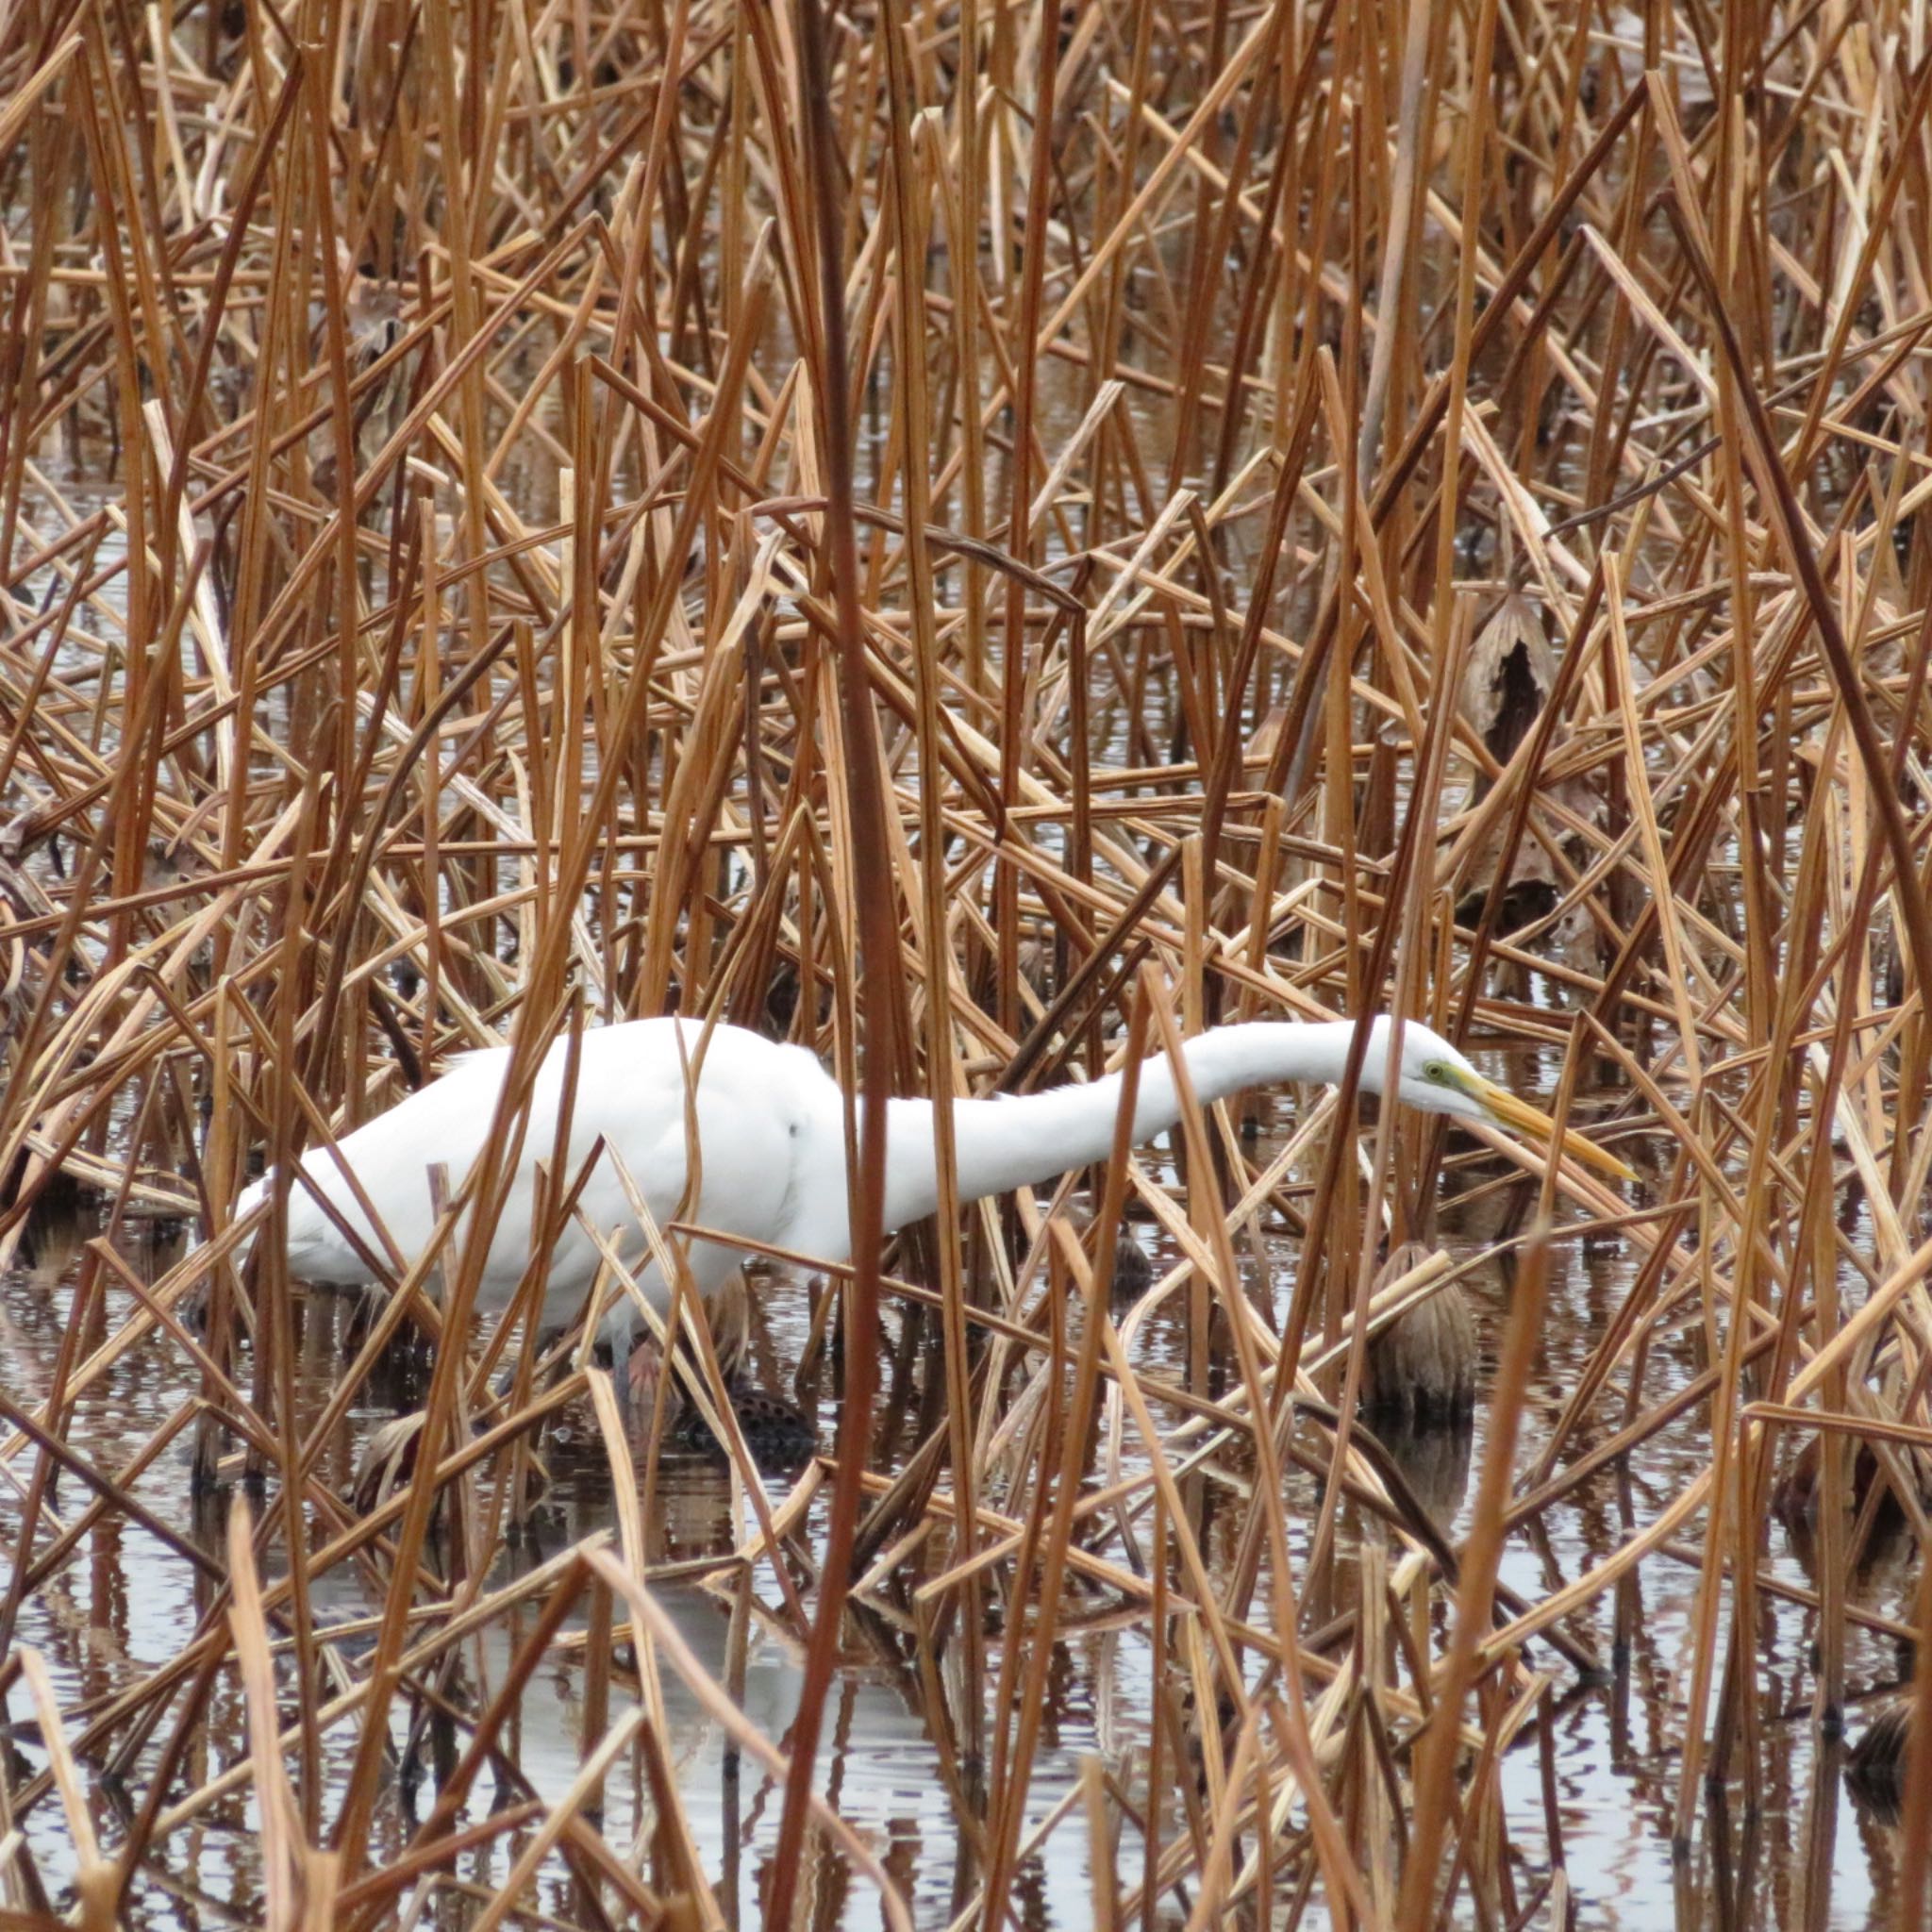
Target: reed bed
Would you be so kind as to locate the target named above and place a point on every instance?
(977, 538)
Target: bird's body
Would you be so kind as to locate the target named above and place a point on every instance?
(770, 1144)
(767, 1128)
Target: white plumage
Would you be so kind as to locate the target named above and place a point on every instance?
(770, 1144)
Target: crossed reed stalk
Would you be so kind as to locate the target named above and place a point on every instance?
(981, 537)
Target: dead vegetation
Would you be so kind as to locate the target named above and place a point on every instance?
(973, 536)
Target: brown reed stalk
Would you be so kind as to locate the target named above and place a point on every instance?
(434, 612)
(876, 966)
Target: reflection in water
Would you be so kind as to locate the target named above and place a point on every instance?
(1434, 1459)
(63, 1216)
(1875, 1767)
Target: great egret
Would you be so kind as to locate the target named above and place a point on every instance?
(769, 1138)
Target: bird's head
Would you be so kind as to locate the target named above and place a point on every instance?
(1436, 1079)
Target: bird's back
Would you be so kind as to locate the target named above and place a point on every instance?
(762, 1110)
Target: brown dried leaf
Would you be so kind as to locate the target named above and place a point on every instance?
(1510, 675)
(1425, 1362)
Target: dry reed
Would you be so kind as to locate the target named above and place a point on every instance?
(973, 536)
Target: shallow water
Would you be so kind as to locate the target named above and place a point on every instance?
(124, 1602)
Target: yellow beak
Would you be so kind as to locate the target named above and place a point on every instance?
(1505, 1107)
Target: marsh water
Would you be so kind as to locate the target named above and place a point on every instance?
(1812, 1855)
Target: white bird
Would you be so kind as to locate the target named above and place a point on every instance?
(770, 1139)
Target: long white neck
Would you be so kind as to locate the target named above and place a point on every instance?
(1023, 1139)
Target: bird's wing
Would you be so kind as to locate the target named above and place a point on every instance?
(755, 1131)
(767, 1120)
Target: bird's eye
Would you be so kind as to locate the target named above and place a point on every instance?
(1437, 1072)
